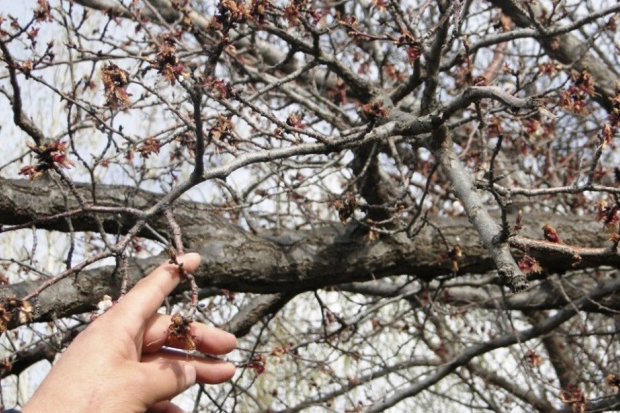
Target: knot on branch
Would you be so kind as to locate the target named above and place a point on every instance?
(441, 137)
(516, 282)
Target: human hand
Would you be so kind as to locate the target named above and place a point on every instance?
(117, 363)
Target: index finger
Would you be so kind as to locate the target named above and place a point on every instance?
(145, 298)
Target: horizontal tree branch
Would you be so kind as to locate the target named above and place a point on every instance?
(257, 309)
(44, 349)
(476, 93)
(288, 262)
(578, 257)
(550, 294)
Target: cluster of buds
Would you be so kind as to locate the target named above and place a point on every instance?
(613, 382)
(148, 147)
(222, 129)
(533, 358)
(529, 265)
(221, 88)
(43, 11)
(374, 110)
(229, 13)
(574, 98)
(115, 82)
(12, 306)
(345, 207)
(574, 398)
(257, 363)
(48, 156)
(411, 45)
(180, 330)
(167, 62)
(607, 213)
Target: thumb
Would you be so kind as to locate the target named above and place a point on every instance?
(166, 378)
(164, 407)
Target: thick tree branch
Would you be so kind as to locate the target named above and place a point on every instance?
(490, 232)
(476, 93)
(44, 349)
(289, 262)
(578, 257)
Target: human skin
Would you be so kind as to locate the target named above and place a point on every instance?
(117, 363)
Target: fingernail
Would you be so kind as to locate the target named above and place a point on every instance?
(190, 374)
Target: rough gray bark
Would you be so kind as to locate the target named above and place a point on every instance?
(289, 262)
(490, 232)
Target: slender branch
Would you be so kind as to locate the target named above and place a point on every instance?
(473, 351)
(19, 117)
(476, 93)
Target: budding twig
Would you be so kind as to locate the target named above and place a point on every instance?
(178, 244)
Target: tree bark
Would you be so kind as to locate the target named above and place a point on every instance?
(287, 262)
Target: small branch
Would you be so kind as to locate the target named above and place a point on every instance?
(549, 253)
(177, 239)
(175, 231)
(572, 189)
(432, 64)
(505, 226)
(124, 264)
(19, 117)
(74, 270)
(476, 93)
(196, 96)
(248, 316)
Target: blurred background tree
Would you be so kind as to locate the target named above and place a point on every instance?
(401, 205)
